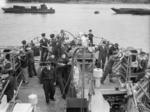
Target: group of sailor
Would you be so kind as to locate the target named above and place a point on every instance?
(13, 63)
(55, 60)
(6, 75)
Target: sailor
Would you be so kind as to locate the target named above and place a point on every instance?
(90, 36)
(32, 45)
(62, 35)
(24, 45)
(143, 60)
(113, 48)
(52, 37)
(59, 48)
(47, 77)
(53, 43)
(66, 75)
(31, 66)
(44, 47)
(108, 68)
(11, 88)
(52, 61)
(85, 40)
(7, 64)
(61, 73)
(102, 55)
(24, 66)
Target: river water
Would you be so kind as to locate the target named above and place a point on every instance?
(127, 30)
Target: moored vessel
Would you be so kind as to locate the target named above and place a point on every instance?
(33, 9)
(135, 11)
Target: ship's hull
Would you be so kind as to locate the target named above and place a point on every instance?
(135, 11)
(13, 10)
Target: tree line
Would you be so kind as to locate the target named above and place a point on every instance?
(107, 1)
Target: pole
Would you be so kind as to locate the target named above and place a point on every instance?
(83, 78)
(83, 72)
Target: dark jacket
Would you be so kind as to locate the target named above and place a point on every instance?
(102, 52)
(110, 64)
(60, 67)
(44, 43)
(10, 88)
(90, 36)
(25, 47)
(47, 74)
(24, 61)
(30, 56)
(113, 49)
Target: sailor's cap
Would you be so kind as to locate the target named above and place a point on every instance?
(43, 34)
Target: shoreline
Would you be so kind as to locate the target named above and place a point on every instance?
(83, 2)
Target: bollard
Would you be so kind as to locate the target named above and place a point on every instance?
(33, 99)
(97, 76)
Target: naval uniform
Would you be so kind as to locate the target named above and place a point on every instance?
(90, 36)
(108, 69)
(44, 51)
(102, 56)
(9, 92)
(61, 71)
(47, 77)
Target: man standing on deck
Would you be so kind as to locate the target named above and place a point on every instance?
(44, 47)
(32, 45)
(24, 45)
(59, 47)
(90, 36)
(62, 74)
(12, 81)
(53, 43)
(24, 66)
(108, 68)
(48, 81)
(113, 48)
(31, 66)
(102, 55)
(62, 35)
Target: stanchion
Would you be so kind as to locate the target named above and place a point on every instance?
(33, 99)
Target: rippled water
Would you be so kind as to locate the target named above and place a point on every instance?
(127, 30)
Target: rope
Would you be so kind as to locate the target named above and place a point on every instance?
(70, 33)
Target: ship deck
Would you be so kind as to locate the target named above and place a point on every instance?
(34, 87)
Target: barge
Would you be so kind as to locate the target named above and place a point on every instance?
(134, 11)
(21, 9)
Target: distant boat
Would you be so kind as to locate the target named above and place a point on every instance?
(96, 12)
(21, 9)
(135, 11)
